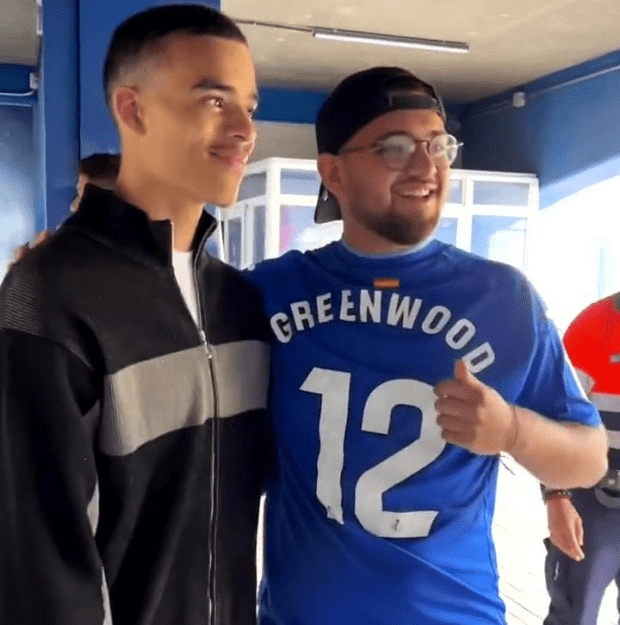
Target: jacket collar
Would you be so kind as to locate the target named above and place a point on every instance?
(125, 226)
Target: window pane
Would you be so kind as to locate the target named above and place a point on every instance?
(252, 185)
(499, 238)
(299, 232)
(16, 181)
(447, 230)
(233, 227)
(259, 234)
(456, 192)
(501, 193)
(213, 245)
(296, 182)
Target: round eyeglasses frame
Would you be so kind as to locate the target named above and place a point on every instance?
(442, 150)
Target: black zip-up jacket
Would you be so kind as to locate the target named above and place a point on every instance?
(133, 444)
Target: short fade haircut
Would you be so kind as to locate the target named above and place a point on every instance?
(143, 33)
(101, 166)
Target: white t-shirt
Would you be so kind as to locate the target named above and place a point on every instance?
(184, 273)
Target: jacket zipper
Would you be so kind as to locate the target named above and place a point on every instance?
(212, 599)
(211, 591)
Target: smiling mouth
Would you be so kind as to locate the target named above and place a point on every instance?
(234, 159)
(424, 193)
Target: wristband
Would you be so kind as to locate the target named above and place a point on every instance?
(555, 493)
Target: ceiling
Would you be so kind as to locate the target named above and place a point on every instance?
(19, 43)
(512, 41)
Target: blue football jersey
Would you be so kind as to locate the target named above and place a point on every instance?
(371, 517)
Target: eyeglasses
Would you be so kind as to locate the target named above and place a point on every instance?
(396, 150)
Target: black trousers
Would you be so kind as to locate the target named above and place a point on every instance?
(577, 588)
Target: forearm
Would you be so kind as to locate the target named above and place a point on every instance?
(50, 567)
(559, 454)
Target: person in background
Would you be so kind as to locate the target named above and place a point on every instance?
(583, 549)
(100, 170)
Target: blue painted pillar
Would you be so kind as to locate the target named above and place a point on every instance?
(97, 23)
(57, 113)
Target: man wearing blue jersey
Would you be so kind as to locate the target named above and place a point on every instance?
(401, 368)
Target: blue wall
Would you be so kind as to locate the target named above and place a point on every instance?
(289, 105)
(298, 106)
(15, 87)
(568, 133)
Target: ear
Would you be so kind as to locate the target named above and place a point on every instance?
(330, 170)
(127, 109)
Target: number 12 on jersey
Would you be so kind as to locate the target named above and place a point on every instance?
(334, 388)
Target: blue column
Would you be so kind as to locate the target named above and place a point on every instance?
(57, 113)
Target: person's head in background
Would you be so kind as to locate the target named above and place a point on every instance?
(98, 169)
(180, 84)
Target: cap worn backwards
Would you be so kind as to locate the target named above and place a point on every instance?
(358, 100)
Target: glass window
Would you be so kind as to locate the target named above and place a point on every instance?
(259, 234)
(456, 192)
(295, 182)
(489, 192)
(233, 228)
(447, 230)
(214, 246)
(299, 232)
(16, 181)
(253, 185)
(499, 238)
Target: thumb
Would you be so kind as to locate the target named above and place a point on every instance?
(462, 372)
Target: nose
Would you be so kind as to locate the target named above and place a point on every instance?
(421, 164)
(241, 126)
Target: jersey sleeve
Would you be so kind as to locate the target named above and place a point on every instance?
(50, 566)
(552, 387)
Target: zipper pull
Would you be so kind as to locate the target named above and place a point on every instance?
(203, 340)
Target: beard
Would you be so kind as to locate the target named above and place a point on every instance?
(397, 228)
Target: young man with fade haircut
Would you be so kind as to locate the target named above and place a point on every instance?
(133, 367)
(402, 368)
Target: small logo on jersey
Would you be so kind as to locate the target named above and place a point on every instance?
(614, 359)
(386, 283)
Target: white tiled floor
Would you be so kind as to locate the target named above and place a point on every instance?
(519, 528)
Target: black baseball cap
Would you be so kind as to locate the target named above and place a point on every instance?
(358, 100)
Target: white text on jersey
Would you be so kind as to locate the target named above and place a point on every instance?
(402, 311)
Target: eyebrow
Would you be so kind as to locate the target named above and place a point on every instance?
(206, 84)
